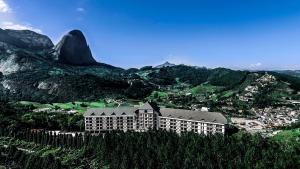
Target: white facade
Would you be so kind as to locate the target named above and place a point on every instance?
(96, 124)
(145, 118)
(184, 125)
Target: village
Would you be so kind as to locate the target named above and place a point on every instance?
(267, 121)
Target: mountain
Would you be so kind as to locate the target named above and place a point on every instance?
(30, 71)
(73, 49)
(290, 72)
(166, 64)
(33, 69)
(25, 39)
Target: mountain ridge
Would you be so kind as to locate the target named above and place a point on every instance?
(166, 64)
(39, 75)
(25, 39)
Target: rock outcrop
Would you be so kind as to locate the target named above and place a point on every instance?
(73, 50)
(25, 39)
(166, 64)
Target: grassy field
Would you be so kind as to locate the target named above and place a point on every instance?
(159, 94)
(288, 136)
(204, 88)
(79, 106)
(228, 93)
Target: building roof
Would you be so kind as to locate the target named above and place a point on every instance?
(147, 105)
(213, 117)
(119, 111)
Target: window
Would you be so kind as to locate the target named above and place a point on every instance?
(119, 122)
(163, 123)
(183, 125)
(172, 124)
(163, 126)
(130, 126)
(194, 127)
(109, 123)
(219, 128)
(130, 119)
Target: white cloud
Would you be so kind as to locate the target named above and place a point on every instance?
(80, 9)
(16, 26)
(9, 21)
(4, 8)
(256, 65)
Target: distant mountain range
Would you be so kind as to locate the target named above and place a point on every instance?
(33, 68)
(290, 72)
(166, 64)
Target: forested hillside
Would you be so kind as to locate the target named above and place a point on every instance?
(26, 143)
(153, 149)
(45, 73)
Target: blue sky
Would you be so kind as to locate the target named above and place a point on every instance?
(238, 34)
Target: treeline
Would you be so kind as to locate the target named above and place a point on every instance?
(167, 150)
(17, 116)
(20, 159)
(67, 87)
(187, 74)
(294, 81)
(45, 138)
(195, 76)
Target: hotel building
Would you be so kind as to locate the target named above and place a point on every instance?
(147, 117)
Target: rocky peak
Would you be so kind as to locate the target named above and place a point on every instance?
(25, 39)
(166, 64)
(74, 50)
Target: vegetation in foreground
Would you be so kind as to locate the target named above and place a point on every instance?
(291, 136)
(21, 147)
(153, 149)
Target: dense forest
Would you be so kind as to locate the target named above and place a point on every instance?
(23, 145)
(15, 117)
(153, 149)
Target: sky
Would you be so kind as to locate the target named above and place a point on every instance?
(236, 34)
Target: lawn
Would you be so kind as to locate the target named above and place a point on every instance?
(97, 105)
(36, 104)
(203, 89)
(228, 93)
(79, 106)
(292, 135)
(67, 105)
(160, 94)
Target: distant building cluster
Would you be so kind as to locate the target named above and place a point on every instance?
(147, 117)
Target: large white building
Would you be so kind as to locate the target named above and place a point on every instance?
(151, 117)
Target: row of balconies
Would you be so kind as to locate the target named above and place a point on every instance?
(177, 125)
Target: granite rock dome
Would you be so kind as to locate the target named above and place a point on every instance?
(25, 39)
(74, 50)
